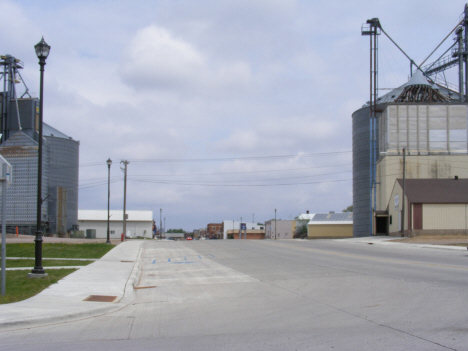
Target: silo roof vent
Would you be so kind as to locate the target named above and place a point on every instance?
(418, 89)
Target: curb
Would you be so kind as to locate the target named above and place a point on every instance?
(129, 291)
(42, 321)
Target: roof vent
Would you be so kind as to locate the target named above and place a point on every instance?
(456, 177)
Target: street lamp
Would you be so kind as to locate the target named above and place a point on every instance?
(42, 51)
(402, 233)
(109, 162)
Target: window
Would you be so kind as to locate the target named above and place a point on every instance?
(112, 231)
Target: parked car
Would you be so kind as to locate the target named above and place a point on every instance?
(169, 238)
(189, 238)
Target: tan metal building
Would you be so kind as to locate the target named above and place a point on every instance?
(433, 206)
(331, 225)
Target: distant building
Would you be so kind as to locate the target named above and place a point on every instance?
(284, 229)
(252, 234)
(138, 223)
(234, 225)
(330, 225)
(214, 230)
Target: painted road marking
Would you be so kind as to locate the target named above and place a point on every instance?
(183, 262)
(176, 260)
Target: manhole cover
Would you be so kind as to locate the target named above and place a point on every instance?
(100, 298)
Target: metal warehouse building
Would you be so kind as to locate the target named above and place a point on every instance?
(19, 145)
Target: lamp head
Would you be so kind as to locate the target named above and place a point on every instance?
(109, 162)
(42, 49)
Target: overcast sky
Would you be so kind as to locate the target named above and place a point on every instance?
(225, 109)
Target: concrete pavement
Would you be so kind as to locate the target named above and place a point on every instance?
(114, 274)
(386, 240)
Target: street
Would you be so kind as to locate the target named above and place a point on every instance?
(278, 295)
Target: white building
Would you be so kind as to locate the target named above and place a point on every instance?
(139, 223)
(235, 225)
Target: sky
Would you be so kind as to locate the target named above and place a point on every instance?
(224, 109)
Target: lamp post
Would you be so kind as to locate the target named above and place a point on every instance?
(109, 162)
(160, 223)
(42, 51)
(403, 197)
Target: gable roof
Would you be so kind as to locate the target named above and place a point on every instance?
(436, 191)
(332, 218)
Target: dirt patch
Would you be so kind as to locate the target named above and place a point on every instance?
(435, 239)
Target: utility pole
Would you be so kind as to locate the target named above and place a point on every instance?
(164, 231)
(403, 197)
(240, 229)
(275, 223)
(160, 223)
(125, 162)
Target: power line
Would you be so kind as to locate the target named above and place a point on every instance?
(239, 158)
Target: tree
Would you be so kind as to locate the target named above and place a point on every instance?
(348, 209)
(301, 232)
(175, 231)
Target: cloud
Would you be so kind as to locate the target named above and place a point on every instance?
(156, 59)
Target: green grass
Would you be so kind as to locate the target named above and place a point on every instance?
(19, 287)
(91, 250)
(45, 263)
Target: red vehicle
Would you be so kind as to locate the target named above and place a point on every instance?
(189, 238)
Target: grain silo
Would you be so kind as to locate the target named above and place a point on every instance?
(425, 116)
(428, 121)
(19, 145)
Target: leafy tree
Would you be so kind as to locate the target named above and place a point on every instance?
(301, 232)
(175, 231)
(348, 209)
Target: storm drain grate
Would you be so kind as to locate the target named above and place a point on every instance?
(100, 298)
(128, 261)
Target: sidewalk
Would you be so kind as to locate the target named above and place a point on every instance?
(388, 240)
(114, 274)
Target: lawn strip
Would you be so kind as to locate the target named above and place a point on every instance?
(59, 250)
(19, 287)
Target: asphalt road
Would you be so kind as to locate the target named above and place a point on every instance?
(278, 295)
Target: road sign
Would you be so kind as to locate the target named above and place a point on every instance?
(243, 226)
